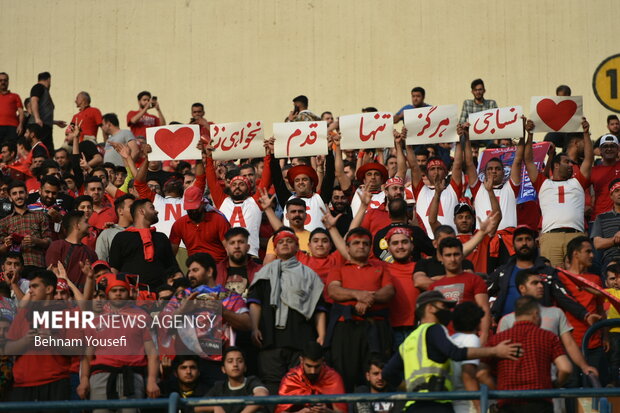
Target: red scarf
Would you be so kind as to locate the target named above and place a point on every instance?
(295, 383)
(147, 241)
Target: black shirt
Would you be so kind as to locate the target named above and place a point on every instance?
(89, 149)
(432, 267)
(221, 389)
(127, 255)
(298, 330)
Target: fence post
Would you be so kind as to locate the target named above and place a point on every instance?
(484, 398)
(173, 403)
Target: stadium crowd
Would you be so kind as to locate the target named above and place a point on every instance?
(359, 271)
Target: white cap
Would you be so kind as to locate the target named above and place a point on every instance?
(609, 138)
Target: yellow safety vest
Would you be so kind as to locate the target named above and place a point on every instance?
(419, 368)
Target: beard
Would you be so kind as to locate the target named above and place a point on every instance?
(238, 259)
(195, 215)
(239, 196)
(528, 255)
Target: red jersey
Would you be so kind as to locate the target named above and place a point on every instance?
(206, 236)
(146, 121)
(90, 118)
(9, 103)
(480, 255)
(402, 306)
(460, 288)
(589, 301)
(105, 215)
(600, 177)
(130, 354)
(36, 368)
(368, 277)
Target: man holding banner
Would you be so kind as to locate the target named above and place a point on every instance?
(436, 171)
(562, 198)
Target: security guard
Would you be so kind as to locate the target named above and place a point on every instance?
(423, 359)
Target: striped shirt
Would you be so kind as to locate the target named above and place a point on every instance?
(605, 226)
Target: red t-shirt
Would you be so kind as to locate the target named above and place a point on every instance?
(600, 177)
(321, 266)
(207, 236)
(99, 219)
(36, 368)
(460, 288)
(90, 118)
(376, 219)
(9, 104)
(589, 301)
(368, 277)
(131, 354)
(480, 255)
(402, 306)
(146, 121)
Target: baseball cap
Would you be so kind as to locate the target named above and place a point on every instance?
(525, 229)
(609, 138)
(463, 206)
(192, 198)
(432, 297)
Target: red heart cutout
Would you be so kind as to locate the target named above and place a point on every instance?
(174, 143)
(555, 115)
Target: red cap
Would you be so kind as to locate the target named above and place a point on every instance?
(361, 172)
(192, 198)
(525, 229)
(302, 170)
(100, 262)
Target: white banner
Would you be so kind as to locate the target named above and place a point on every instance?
(237, 140)
(367, 130)
(500, 123)
(556, 113)
(300, 139)
(431, 124)
(174, 142)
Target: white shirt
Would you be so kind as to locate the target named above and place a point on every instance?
(449, 199)
(562, 203)
(463, 340)
(314, 210)
(169, 210)
(246, 214)
(375, 202)
(507, 197)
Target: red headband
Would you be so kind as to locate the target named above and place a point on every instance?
(356, 236)
(394, 181)
(62, 285)
(240, 178)
(397, 230)
(436, 162)
(614, 187)
(284, 234)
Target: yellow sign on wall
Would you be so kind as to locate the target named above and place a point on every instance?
(605, 83)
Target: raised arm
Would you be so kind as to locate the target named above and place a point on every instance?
(265, 202)
(457, 165)
(468, 154)
(484, 228)
(528, 153)
(588, 150)
(217, 193)
(330, 224)
(282, 192)
(515, 169)
(343, 179)
(433, 208)
(365, 198)
(401, 161)
(416, 172)
(327, 186)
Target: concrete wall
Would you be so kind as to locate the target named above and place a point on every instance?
(246, 59)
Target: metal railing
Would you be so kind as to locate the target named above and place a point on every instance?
(174, 402)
